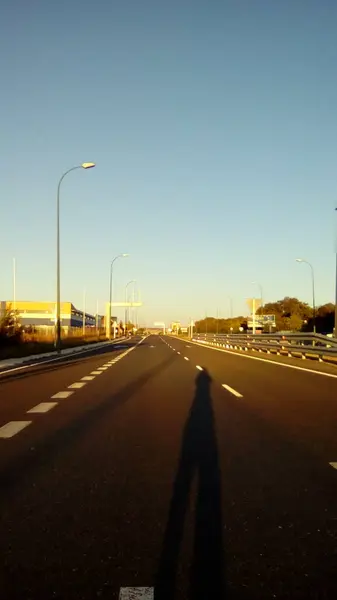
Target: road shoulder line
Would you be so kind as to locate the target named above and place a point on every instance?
(265, 360)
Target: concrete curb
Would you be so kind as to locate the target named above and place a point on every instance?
(13, 362)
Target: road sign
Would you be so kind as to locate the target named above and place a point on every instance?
(261, 321)
(267, 318)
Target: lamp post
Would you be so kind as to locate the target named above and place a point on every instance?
(301, 260)
(126, 299)
(58, 274)
(134, 311)
(110, 292)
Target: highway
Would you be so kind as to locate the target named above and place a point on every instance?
(159, 469)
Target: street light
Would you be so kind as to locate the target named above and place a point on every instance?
(110, 291)
(301, 260)
(126, 296)
(88, 165)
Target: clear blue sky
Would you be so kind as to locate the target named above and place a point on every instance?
(214, 128)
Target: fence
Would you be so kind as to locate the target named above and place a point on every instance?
(302, 345)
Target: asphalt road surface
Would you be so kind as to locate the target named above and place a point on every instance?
(159, 469)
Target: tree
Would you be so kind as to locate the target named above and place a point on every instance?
(10, 329)
(212, 325)
(325, 319)
(290, 313)
(325, 309)
(295, 323)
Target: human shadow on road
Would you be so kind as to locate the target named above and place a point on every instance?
(198, 457)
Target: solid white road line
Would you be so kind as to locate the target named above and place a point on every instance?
(185, 357)
(12, 428)
(77, 385)
(62, 395)
(136, 593)
(265, 360)
(96, 372)
(333, 464)
(50, 360)
(88, 378)
(232, 391)
(63, 357)
(43, 407)
(199, 368)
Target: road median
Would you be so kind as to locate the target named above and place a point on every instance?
(43, 356)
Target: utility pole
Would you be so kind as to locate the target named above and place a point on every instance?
(254, 326)
(14, 284)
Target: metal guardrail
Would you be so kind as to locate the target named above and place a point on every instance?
(306, 345)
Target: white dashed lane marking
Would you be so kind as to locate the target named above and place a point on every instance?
(136, 593)
(185, 357)
(199, 367)
(12, 428)
(77, 385)
(232, 390)
(43, 407)
(333, 465)
(178, 352)
(62, 395)
(266, 360)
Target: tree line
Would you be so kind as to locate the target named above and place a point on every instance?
(291, 314)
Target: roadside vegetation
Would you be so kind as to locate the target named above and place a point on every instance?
(290, 315)
(17, 342)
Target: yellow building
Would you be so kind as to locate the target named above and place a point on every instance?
(42, 314)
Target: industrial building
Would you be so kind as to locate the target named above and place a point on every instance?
(41, 315)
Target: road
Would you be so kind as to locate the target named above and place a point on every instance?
(174, 472)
